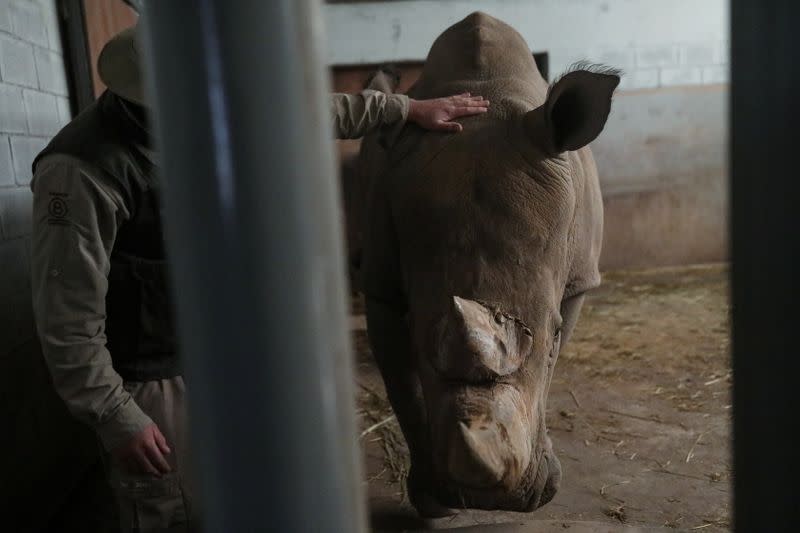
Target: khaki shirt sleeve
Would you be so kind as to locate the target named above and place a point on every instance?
(76, 215)
(355, 115)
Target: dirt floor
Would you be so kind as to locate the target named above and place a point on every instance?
(639, 413)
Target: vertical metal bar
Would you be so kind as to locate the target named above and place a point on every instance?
(765, 196)
(255, 240)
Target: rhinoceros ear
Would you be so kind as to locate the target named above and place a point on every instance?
(576, 108)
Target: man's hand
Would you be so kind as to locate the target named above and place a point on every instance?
(438, 114)
(144, 453)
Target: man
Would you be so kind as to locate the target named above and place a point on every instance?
(99, 275)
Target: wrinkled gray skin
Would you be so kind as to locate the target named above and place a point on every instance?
(478, 249)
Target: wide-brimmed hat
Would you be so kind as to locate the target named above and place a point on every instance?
(119, 66)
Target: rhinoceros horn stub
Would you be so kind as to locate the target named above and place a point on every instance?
(478, 344)
(492, 447)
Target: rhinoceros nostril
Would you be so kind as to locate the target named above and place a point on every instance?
(546, 480)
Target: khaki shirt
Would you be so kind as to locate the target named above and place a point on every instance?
(355, 115)
(76, 215)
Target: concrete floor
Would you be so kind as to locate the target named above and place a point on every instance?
(639, 413)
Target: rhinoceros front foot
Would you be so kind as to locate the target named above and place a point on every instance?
(421, 498)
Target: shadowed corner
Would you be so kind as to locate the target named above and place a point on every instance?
(390, 518)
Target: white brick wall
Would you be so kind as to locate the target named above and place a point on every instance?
(624, 58)
(680, 42)
(681, 76)
(715, 74)
(24, 150)
(50, 68)
(5, 16)
(656, 56)
(12, 109)
(6, 165)
(33, 107)
(42, 113)
(27, 22)
(15, 215)
(641, 78)
(699, 54)
(16, 62)
(64, 112)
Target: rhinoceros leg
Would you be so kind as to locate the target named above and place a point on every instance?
(357, 179)
(388, 332)
(570, 311)
(391, 345)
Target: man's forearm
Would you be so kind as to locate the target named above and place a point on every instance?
(355, 115)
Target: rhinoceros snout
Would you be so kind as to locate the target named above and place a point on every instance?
(477, 343)
(484, 447)
(480, 455)
(478, 476)
(489, 444)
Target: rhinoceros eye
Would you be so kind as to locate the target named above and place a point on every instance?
(556, 342)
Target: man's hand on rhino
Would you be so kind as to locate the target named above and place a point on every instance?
(438, 114)
(144, 452)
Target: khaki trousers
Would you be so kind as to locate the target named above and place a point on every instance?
(148, 503)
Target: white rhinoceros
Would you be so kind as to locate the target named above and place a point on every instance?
(478, 249)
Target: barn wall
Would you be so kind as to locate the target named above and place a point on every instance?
(662, 162)
(33, 107)
(658, 43)
(662, 157)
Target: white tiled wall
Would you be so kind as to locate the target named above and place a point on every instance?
(33, 107)
(657, 43)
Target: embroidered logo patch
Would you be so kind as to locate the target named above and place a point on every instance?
(58, 209)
